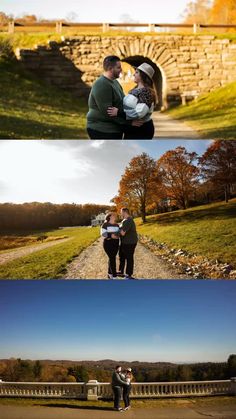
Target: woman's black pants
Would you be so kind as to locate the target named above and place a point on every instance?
(126, 393)
(145, 132)
(111, 247)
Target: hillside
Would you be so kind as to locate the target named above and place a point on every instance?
(30, 109)
(207, 230)
(213, 115)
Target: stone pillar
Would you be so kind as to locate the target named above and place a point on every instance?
(233, 386)
(92, 390)
(11, 26)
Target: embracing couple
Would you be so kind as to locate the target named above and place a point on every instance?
(121, 238)
(121, 383)
(114, 115)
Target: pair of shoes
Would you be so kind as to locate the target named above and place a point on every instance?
(120, 409)
(110, 276)
(120, 274)
(129, 277)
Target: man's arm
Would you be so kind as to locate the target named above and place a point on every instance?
(120, 381)
(126, 226)
(103, 96)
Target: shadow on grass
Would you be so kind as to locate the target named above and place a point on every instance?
(24, 128)
(222, 212)
(79, 407)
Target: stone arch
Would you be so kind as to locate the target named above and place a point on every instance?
(158, 81)
(136, 51)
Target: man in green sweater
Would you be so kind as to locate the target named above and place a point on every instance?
(107, 92)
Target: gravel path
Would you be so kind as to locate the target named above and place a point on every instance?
(92, 264)
(25, 251)
(167, 127)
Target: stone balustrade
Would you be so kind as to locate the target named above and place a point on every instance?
(94, 390)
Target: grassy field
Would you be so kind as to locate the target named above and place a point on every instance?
(106, 405)
(28, 37)
(213, 115)
(208, 230)
(30, 109)
(14, 241)
(46, 264)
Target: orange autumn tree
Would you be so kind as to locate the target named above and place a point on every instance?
(223, 12)
(138, 185)
(180, 177)
(218, 165)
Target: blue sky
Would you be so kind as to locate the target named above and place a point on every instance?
(174, 321)
(99, 11)
(73, 171)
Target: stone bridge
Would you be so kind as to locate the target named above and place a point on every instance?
(184, 65)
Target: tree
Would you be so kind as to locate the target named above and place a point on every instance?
(179, 175)
(232, 366)
(138, 183)
(223, 12)
(218, 165)
(4, 19)
(37, 369)
(197, 11)
(79, 372)
(184, 373)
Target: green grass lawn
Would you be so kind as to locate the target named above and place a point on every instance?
(30, 109)
(207, 230)
(213, 115)
(107, 405)
(50, 262)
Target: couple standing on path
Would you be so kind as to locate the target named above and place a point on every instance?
(114, 115)
(121, 383)
(122, 238)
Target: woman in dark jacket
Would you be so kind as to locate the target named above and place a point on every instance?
(110, 232)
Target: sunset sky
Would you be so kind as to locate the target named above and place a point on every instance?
(72, 171)
(176, 321)
(156, 11)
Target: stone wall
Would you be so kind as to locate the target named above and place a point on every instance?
(188, 64)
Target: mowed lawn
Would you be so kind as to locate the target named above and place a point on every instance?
(213, 115)
(208, 231)
(51, 262)
(31, 109)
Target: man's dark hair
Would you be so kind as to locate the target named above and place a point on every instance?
(125, 210)
(118, 366)
(110, 61)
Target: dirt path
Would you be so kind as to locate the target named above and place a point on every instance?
(25, 251)
(167, 127)
(64, 412)
(92, 264)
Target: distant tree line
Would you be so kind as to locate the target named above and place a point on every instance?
(68, 371)
(38, 216)
(178, 179)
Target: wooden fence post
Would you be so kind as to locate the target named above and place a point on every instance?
(59, 27)
(105, 27)
(11, 26)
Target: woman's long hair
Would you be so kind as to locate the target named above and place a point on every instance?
(148, 83)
